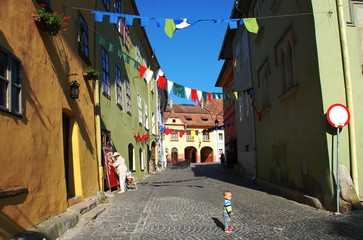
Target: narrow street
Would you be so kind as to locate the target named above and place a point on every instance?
(187, 203)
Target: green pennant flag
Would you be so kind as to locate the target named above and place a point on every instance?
(169, 27)
(251, 24)
(102, 40)
(111, 47)
(178, 90)
(119, 53)
(204, 94)
(127, 59)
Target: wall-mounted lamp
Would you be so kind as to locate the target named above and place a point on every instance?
(216, 122)
(73, 87)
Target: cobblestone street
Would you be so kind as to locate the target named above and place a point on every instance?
(187, 203)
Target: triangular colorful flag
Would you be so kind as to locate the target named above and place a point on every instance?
(251, 24)
(169, 27)
(170, 86)
(161, 82)
(142, 70)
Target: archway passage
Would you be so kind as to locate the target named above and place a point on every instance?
(190, 154)
(174, 155)
(206, 154)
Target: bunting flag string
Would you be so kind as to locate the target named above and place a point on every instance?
(172, 25)
(192, 133)
(177, 89)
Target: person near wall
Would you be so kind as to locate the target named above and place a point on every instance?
(121, 170)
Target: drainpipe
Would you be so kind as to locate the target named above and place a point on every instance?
(349, 95)
(98, 135)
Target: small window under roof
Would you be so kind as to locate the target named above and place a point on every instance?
(188, 118)
(204, 119)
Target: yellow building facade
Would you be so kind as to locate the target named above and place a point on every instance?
(48, 152)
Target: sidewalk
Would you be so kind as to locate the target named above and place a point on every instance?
(186, 203)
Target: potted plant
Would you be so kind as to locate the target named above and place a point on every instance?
(91, 73)
(52, 22)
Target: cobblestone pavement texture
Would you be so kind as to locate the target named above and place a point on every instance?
(187, 203)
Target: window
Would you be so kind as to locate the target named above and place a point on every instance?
(257, 12)
(117, 6)
(153, 126)
(119, 99)
(123, 30)
(141, 157)
(174, 121)
(139, 106)
(128, 96)
(285, 56)
(204, 119)
(206, 136)
(137, 52)
(220, 136)
(360, 25)
(10, 83)
(220, 151)
(173, 136)
(83, 40)
(188, 118)
(131, 155)
(105, 73)
(107, 4)
(189, 137)
(146, 116)
(263, 76)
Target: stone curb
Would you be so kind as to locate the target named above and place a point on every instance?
(291, 194)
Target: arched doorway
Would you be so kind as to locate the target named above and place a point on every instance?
(190, 154)
(174, 155)
(153, 156)
(131, 157)
(206, 154)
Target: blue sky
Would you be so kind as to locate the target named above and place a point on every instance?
(190, 58)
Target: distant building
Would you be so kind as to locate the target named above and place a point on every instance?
(184, 137)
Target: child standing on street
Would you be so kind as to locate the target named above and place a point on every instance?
(227, 210)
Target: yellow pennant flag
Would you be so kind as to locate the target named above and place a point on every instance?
(169, 27)
(236, 95)
(251, 24)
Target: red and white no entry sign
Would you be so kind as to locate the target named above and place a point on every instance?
(338, 115)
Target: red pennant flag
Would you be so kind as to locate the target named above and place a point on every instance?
(162, 82)
(142, 70)
(194, 96)
(181, 134)
(209, 96)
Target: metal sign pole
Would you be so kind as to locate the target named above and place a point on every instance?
(337, 173)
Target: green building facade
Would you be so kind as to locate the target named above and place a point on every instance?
(298, 71)
(127, 102)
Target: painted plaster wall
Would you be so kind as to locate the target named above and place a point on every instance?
(122, 125)
(331, 74)
(291, 141)
(31, 146)
(246, 143)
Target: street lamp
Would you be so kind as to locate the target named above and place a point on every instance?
(73, 87)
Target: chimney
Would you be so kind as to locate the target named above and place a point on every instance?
(171, 102)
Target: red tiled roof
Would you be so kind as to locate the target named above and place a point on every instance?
(195, 115)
